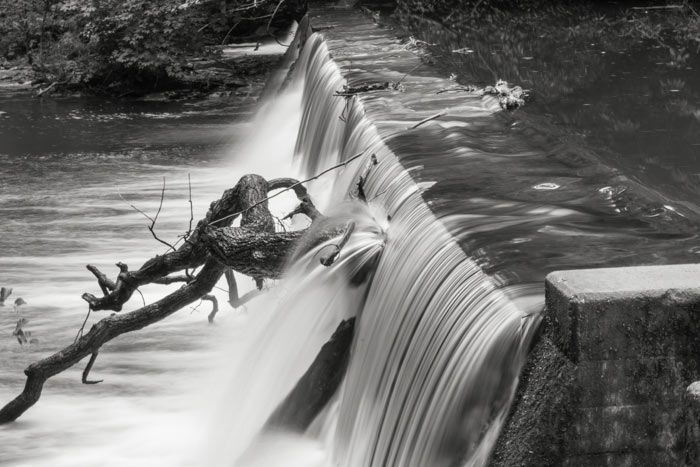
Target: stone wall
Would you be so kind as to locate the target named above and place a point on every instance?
(629, 339)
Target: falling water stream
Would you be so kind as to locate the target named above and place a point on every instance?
(438, 343)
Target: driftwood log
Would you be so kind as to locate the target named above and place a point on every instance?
(316, 387)
(253, 248)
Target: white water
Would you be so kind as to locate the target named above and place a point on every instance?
(437, 349)
(434, 362)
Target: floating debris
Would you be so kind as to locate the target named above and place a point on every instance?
(416, 45)
(459, 88)
(464, 51)
(348, 90)
(509, 97)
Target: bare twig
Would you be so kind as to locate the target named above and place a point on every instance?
(215, 306)
(280, 223)
(269, 23)
(104, 331)
(143, 299)
(189, 184)
(135, 208)
(458, 88)
(398, 83)
(86, 371)
(235, 25)
(426, 120)
(43, 91)
(160, 206)
(152, 227)
(82, 328)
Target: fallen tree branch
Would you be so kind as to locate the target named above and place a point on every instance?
(291, 187)
(266, 255)
(234, 202)
(306, 206)
(426, 120)
(105, 283)
(349, 91)
(104, 331)
(254, 248)
(172, 280)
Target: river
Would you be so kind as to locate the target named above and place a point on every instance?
(522, 194)
(71, 171)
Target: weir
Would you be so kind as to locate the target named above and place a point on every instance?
(438, 344)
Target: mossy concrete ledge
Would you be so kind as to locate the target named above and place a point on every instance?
(608, 382)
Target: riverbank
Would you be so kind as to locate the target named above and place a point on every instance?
(235, 70)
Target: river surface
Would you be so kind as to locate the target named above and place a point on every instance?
(580, 177)
(600, 167)
(70, 171)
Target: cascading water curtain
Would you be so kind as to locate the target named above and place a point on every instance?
(438, 347)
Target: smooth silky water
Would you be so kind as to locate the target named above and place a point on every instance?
(71, 168)
(438, 343)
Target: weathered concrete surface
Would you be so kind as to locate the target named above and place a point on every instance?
(632, 337)
(692, 414)
(534, 436)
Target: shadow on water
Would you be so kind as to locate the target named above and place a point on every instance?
(600, 168)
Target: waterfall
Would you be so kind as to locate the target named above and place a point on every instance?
(437, 347)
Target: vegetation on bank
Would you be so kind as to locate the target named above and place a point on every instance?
(672, 25)
(563, 50)
(113, 45)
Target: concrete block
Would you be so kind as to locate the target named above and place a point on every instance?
(626, 459)
(634, 381)
(618, 313)
(631, 337)
(622, 429)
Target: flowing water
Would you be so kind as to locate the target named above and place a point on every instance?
(71, 168)
(438, 343)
